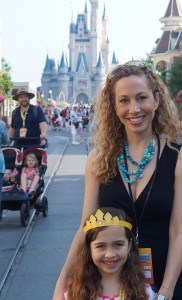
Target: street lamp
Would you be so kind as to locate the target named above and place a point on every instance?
(50, 95)
(42, 96)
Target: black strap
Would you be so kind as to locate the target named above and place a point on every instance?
(137, 222)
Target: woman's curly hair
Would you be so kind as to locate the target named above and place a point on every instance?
(84, 281)
(109, 136)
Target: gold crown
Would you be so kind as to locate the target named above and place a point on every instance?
(100, 219)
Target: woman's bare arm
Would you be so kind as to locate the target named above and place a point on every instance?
(90, 205)
(174, 258)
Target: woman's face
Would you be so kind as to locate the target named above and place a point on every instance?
(135, 104)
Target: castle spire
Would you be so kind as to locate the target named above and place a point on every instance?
(114, 61)
(104, 13)
(63, 62)
(86, 6)
(48, 64)
(100, 61)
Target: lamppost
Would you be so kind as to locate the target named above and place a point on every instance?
(42, 96)
(50, 95)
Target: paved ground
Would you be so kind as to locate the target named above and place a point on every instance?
(40, 263)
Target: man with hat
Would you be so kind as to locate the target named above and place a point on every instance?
(28, 121)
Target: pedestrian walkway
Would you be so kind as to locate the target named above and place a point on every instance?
(50, 240)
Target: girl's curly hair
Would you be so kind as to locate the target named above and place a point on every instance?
(110, 133)
(84, 281)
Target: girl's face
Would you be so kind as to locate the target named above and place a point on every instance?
(31, 162)
(110, 250)
(135, 104)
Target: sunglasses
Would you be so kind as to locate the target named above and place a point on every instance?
(133, 63)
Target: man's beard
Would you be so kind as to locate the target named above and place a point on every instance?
(24, 104)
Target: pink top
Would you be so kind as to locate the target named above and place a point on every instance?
(31, 172)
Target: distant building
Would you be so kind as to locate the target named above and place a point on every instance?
(79, 78)
(169, 46)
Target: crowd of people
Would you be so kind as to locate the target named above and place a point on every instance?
(72, 119)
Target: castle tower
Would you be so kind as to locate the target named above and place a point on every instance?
(94, 34)
(169, 46)
(105, 41)
(100, 72)
(63, 77)
(86, 14)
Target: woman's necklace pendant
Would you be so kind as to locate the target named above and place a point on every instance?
(132, 176)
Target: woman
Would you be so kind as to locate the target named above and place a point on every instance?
(136, 166)
(3, 141)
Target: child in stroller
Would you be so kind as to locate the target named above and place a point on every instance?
(13, 198)
(9, 177)
(30, 175)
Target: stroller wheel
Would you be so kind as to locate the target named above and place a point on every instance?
(44, 206)
(25, 214)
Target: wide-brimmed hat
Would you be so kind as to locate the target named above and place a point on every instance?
(23, 91)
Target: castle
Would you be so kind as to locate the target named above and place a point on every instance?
(79, 80)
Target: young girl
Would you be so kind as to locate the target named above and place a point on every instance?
(30, 174)
(107, 264)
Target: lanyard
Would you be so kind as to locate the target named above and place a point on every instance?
(23, 116)
(148, 193)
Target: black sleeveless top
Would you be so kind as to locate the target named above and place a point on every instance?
(154, 225)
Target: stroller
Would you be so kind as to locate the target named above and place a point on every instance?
(12, 198)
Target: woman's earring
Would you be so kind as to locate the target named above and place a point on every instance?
(129, 255)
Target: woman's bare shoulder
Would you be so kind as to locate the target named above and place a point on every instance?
(91, 157)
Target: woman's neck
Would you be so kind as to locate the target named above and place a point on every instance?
(137, 140)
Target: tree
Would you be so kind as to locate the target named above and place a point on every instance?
(6, 83)
(174, 80)
(148, 62)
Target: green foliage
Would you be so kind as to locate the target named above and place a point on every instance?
(6, 83)
(174, 80)
(148, 62)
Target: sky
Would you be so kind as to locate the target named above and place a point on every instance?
(31, 29)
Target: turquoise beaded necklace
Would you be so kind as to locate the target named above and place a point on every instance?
(136, 173)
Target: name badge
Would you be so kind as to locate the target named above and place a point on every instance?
(145, 257)
(23, 132)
